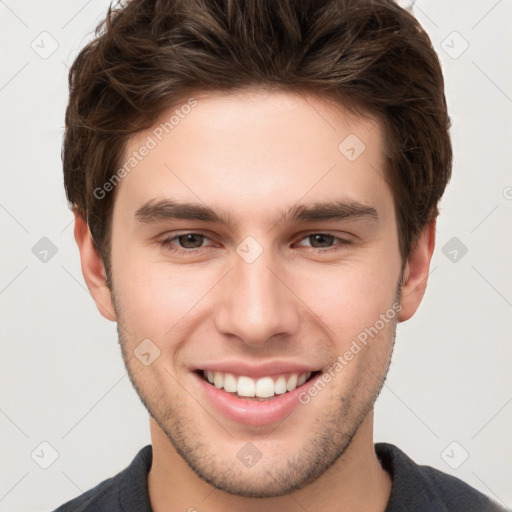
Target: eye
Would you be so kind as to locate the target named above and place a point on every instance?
(324, 242)
(190, 240)
(184, 243)
(190, 243)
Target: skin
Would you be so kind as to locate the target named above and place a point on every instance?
(252, 154)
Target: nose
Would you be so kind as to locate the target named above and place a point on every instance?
(256, 305)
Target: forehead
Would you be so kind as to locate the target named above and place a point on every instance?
(254, 151)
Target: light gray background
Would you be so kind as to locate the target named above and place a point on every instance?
(62, 378)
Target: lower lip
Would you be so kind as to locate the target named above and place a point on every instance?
(253, 412)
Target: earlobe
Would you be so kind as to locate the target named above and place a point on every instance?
(93, 269)
(416, 271)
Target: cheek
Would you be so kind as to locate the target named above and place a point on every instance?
(348, 297)
(158, 299)
(155, 297)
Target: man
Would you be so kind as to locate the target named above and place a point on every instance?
(255, 188)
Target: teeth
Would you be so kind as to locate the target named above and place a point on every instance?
(230, 383)
(280, 385)
(301, 380)
(291, 383)
(246, 387)
(265, 387)
(218, 380)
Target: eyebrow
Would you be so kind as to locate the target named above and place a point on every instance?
(159, 210)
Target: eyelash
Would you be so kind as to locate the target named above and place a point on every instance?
(168, 243)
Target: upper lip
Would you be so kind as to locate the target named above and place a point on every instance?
(256, 371)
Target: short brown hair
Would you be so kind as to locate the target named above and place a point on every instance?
(369, 55)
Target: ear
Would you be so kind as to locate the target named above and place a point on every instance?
(93, 269)
(415, 276)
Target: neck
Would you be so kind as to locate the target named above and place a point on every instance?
(356, 481)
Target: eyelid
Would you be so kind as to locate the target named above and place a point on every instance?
(168, 240)
(339, 239)
(170, 237)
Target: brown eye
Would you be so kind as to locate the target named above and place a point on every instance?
(190, 240)
(321, 240)
(185, 244)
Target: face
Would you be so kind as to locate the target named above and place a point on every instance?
(255, 246)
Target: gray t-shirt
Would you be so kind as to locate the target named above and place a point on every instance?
(415, 488)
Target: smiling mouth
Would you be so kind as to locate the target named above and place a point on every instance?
(264, 388)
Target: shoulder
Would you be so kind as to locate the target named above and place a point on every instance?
(424, 488)
(125, 491)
